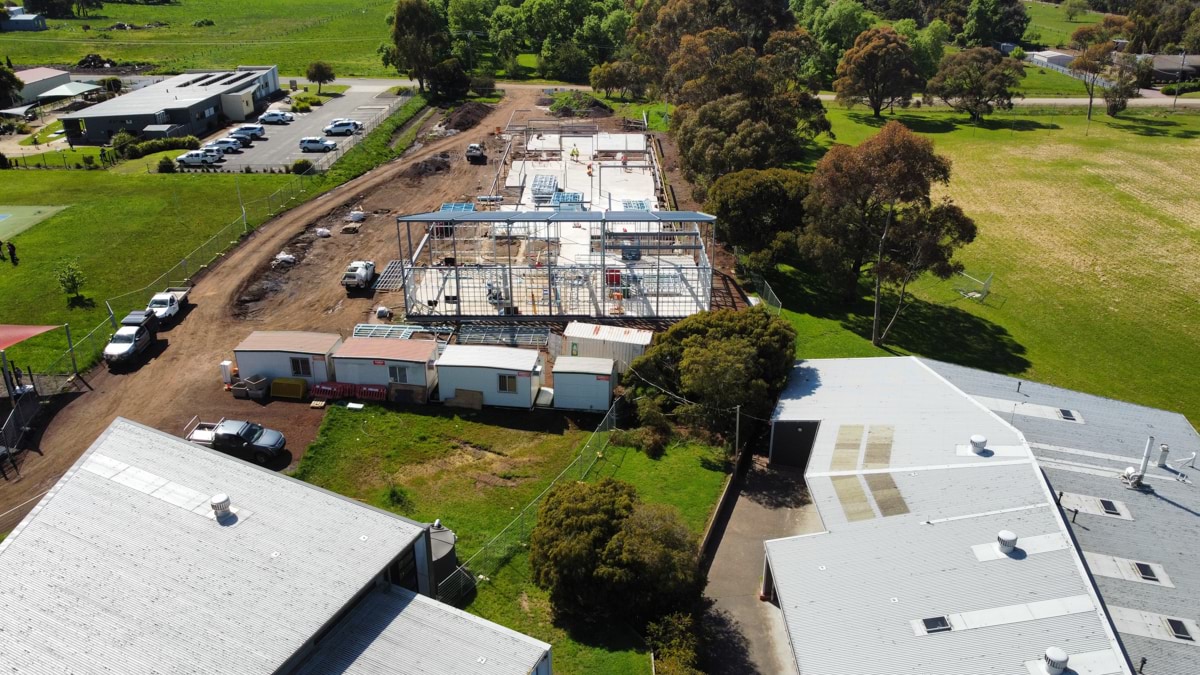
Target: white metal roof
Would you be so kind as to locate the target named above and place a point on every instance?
(121, 567)
(911, 518)
(499, 358)
(396, 632)
(588, 365)
(595, 331)
(293, 341)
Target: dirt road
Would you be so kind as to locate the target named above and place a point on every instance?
(182, 378)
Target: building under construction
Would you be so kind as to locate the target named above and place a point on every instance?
(572, 228)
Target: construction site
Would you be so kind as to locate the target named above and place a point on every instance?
(575, 225)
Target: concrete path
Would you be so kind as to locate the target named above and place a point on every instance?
(746, 634)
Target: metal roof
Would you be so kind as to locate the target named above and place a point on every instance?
(69, 89)
(31, 75)
(554, 216)
(395, 631)
(911, 517)
(595, 331)
(1085, 458)
(587, 365)
(180, 91)
(500, 358)
(122, 568)
(417, 351)
(295, 341)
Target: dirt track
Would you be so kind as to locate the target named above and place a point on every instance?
(182, 378)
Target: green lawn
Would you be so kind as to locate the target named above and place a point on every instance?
(1042, 83)
(62, 157)
(657, 112)
(42, 135)
(309, 91)
(1050, 20)
(1092, 234)
(290, 33)
(476, 471)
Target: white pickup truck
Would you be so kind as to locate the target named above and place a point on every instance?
(167, 304)
(359, 276)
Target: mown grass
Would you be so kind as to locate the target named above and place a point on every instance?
(476, 471)
(1042, 83)
(1051, 22)
(43, 135)
(1091, 233)
(657, 112)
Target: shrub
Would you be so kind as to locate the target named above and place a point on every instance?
(247, 169)
(4, 163)
(483, 85)
(112, 85)
(673, 639)
(399, 499)
(299, 106)
(166, 165)
(1181, 88)
(202, 23)
(1017, 53)
(89, 161)
(70, 278)
(301, 167)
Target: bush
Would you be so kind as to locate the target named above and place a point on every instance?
(202, 23)
(89, 161)
(673, 639)
(301, 167)
(483, 85)
(1181, 88)
(126, 145)
(301, 106)
(112, 85)
(166, 165)
(1017, 53)
(4, 163)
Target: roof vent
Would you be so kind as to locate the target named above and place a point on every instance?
(1163, 451)
(220, 505)
(978, 444)
(1056, 661)
(1007, 541)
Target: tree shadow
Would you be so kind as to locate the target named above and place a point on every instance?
(607, 635)
(725, 647)
(921, 124)
(775, 488)
(1012, 124)
(947, 333)
(1159, 128)
(80, 302)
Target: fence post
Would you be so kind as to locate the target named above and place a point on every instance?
(70, 348)
(111, 319)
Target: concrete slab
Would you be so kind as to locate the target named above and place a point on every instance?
(749, 635)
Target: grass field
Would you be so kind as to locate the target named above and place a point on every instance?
(475, 471)
(1042, 83)
(1051, 22)
(290, 33)
(1091, 233)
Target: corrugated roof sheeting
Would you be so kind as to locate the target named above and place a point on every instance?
(103, 577)
(503, 358)
(588, 365)
(396, 632)
(597, 331)
(298, 341)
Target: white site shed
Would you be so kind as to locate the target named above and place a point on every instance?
(406, 367)
(288, 353)
(498, 376)
(583, 382)
(618, 343)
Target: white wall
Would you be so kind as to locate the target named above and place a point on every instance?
(487, 381)
(621, 352)
(278, 364)
(375, 371)
(583, 391)
(237, 106)
(30, 92)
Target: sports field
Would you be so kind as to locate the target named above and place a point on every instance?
(15, 219)
(1093, 236)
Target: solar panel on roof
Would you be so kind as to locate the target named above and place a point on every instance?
(458, 206)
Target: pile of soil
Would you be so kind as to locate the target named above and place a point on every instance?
(436, 164)
(95, 61)
(467, 115)
(268, 278)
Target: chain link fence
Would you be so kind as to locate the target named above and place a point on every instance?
(514, 538)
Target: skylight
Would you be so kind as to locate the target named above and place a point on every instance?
(1110, 507)
(1145, 571)
(1179, 629)
(1066, 414)
(938, 624)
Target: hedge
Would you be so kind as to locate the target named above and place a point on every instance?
(136, 150)
(1181, 88)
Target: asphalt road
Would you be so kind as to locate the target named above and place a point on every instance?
(281, 146)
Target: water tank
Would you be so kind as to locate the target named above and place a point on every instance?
(445, 560)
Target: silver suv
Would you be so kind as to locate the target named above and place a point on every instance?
(314, 144)
(341, 128)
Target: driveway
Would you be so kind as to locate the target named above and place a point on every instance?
(748, 634)
(281, 147)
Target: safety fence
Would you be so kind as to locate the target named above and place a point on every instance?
(591, 463)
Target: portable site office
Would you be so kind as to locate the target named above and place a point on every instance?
(277, 354)
(405, 367)
(583, 383)
(494, 376)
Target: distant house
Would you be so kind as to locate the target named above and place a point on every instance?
(1168, 68)
(191, 103)
(1051, 58)
(18, 20)
(39, 81)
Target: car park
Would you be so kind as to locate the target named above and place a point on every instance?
(314, 144)
(276, 117)
(228, 144)
(195, 158)
(254, 130)
(341, 128)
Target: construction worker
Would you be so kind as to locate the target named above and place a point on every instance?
(575, 153)
(589, 169)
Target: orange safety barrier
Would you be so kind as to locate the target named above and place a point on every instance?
(333, 390)
(372, 392)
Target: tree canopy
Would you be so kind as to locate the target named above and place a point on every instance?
(991, 21)
(320, 73)
(10, 85)
(879, 71)
(754, 207)
(419, 39)
(977, 81)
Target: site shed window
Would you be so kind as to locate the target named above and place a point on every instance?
(301, 367)
(508, 384)
(398, 374)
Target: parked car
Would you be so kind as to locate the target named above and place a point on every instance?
(243, 138)
(167, 304)
(136, 334)
(358, 276)
(346, 120)
(476, 154)
(228, 144)
(341, 128)
(195, 158)
(255, 130)
(238, 438)
(276, 117)
(314, 144)
(213, 151)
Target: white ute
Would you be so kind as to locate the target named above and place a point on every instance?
(359, 276)
(167, 304)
